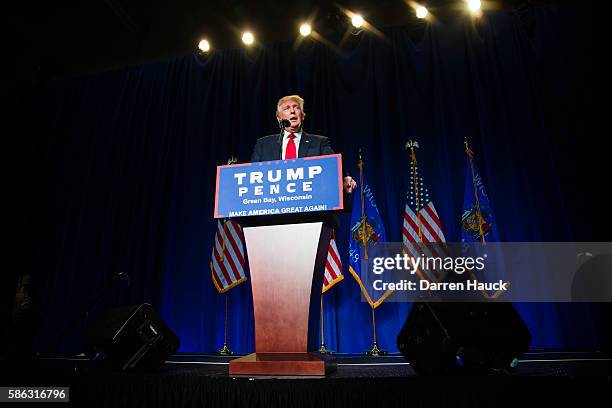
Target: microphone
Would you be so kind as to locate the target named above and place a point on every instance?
(282, 124)
(122, 276)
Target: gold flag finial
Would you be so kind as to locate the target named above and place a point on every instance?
(468, 151)
(411, 144)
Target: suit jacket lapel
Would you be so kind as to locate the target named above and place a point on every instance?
(279, 148)
(304, 145)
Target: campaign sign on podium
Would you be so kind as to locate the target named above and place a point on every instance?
(291, 186)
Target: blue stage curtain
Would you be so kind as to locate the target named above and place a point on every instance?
(119, 166)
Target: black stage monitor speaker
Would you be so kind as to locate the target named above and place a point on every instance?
(130, 338)
(450, 337)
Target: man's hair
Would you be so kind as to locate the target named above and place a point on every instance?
(295, 98)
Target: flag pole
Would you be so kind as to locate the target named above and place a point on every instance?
(230, 161)
(470, 155)
(364, 239)
(323, 349)
(375, 351)
(481, 222)
(413, 144)
(223, 225)
(225, 350)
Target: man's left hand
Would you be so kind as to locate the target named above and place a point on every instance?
(349, 184)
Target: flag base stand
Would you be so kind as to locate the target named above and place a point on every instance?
(289, 364)
(324, 350)
(375, 351)
(225, 351)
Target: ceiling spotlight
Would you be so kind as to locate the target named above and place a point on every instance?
(474, 5)
(204, 46)
(357, 20)
(248, 38)
(421, 12)
(305, 29)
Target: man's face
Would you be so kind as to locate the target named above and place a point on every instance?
(291, 111)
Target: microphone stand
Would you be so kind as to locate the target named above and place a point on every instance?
(85, 315)
(283, 123)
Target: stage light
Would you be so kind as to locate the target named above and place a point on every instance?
(204, 46)
(305, 29)
(357, 20)
(474, 5)
(248, 38)
(421, 12)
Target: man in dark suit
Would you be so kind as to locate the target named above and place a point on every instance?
(294, 142)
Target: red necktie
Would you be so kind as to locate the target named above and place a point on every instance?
(290, 149)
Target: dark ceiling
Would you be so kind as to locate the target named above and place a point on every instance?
(51, 39)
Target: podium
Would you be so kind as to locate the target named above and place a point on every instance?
(287, 251)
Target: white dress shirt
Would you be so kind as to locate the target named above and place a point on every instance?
(298, 137)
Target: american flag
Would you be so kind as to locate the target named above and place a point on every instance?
(333, 267)
(227, 264)
(422, 230)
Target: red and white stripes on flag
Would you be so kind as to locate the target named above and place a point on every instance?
(422, 229)
(333, 266)
(228, 264)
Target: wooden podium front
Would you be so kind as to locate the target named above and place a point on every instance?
(287, 263)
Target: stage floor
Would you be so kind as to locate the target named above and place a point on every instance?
(535, 363)
(203, 380)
